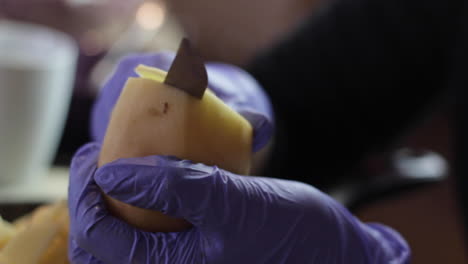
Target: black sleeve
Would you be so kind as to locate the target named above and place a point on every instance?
(352, 78)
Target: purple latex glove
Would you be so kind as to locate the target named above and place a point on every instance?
(231, 84)
(237, 219)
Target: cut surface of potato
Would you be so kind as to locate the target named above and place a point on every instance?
(7, 231)
(151, 118)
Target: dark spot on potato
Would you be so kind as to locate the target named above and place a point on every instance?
(166, 107)
(153, 111)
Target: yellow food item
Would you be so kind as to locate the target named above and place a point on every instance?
(37, 242)
(152, 118)
(57, 251)
(7, 231)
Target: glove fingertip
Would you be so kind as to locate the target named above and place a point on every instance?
(103, 178)
(264, 136)
(263, 128)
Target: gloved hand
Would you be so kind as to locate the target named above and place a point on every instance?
(231, 84)
(237, 219)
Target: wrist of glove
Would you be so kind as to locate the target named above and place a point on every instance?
(236, 218)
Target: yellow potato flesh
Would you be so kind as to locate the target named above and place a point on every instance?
(151, 118)
(43, 239)
(7, 231)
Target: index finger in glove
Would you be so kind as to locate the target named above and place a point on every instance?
(180, 188)
(153, 183)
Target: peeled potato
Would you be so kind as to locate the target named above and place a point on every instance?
(151, 118)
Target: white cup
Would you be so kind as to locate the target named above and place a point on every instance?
(37, 68)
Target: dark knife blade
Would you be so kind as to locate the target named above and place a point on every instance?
(188, 71)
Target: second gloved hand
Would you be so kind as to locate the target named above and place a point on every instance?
(237, 219)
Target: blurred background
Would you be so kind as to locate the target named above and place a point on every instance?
(409, 187)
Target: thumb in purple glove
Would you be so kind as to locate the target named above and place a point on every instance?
(237, 219)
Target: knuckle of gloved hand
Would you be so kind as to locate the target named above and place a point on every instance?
(173, 177)
(306, 198)
(184, 176)
(79, 236)
(87, 233)
(89, 150)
